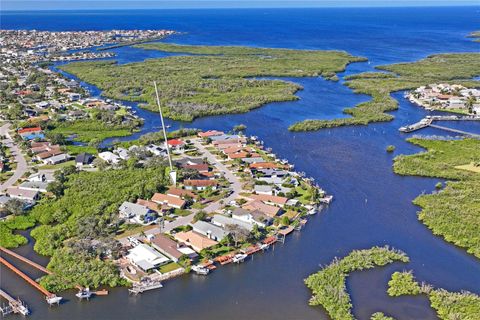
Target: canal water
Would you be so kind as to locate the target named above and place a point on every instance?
(372, 205)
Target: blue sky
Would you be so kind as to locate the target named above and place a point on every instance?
(170, 4)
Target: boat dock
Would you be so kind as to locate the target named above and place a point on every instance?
(50, 297)
(429, 122)
(27, 261)
(16, 306)
(145, 286)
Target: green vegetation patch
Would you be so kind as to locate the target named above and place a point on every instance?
(329, 284)
(210, 80)
(452, 68)
(449, 305)
(88, 130)
(454, 212)
(8, 238)
(380, 316)
(77, 228)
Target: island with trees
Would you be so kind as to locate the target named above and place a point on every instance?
(457, 68)
(210, 80)
(453, 212)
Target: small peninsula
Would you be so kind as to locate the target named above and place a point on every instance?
(454, 212)
(461, 67)
(329, 287)
(210, 80)
(449, 305)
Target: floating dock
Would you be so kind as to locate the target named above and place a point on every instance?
(16, 306)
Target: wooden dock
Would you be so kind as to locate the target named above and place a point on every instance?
(429, 122)
(16, 306)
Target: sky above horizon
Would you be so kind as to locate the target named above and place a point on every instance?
(175, 4)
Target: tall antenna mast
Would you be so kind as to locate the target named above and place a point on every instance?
(173, 174)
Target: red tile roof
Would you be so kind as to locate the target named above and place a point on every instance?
(27, 130)
(201, 183)
(210, 133)
(175, 142)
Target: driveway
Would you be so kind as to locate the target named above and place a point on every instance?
(19, 158)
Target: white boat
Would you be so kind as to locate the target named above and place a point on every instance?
(264, 246)
(327, 199)
(23, 310)
(84, 294)
(53, 300)
(240, 257)
(201, 270)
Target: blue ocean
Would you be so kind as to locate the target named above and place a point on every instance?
(372, 205)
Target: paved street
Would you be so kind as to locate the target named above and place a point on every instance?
(235, 183)
(19, 158)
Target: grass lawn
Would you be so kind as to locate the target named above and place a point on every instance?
(133, 231)
(74, 150)
(169, 267)
(304, 195)
(57, 166)
(182, 212)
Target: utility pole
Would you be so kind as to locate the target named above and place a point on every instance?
(173, 174)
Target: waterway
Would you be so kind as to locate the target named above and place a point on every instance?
(372, 205)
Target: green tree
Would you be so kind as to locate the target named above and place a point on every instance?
(15, 207)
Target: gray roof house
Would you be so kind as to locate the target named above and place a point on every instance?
(210, 230)
(262, 189)
(223, 221)
(131, 210)
(256, 217)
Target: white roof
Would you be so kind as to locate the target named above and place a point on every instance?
(146, 257)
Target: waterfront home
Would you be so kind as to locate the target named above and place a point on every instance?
(122, 153)
(136, 212)
(31, 133)
(171, 248)
(222, 221)
(109, 157)
(28, 195)
(146, 258)
(156, 150)
(194, 240)
(263, 165)
(209, 230)
(210, 133)
(268, 199)
(83, 159)
(176, 144)
(272, 172)
(200, 185)
(251, 217)
(266, 209)
(253, 160)
(168, 200)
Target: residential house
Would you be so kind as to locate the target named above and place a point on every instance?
(56, 159)
(222, 221)
(28, 195)
(263, 189)
(39, 186)
(146, 258)
(194, 240)
(200, 185)
(83, 159)
(109, 157)
(266, 209)
(209, 230)
(210, 133)
(256, 217)
(269, 199)
(169, 200)
(136, 212)
(171, 248)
